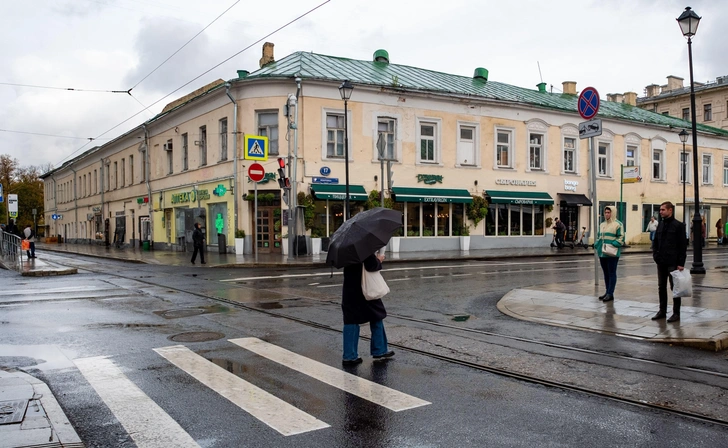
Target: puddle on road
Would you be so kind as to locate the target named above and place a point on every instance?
(188, 312)
(46, 357)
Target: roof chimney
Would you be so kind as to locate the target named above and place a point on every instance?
(674, 82)
(541, 87)
(242, 74)
(381, 56)
(481, 74)
(652, 90)
(569, 87)
(630, 98)
(267, 55)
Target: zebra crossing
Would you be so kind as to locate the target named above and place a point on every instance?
(151, 427)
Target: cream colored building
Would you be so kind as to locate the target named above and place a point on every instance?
(451, 140)
(673, 98)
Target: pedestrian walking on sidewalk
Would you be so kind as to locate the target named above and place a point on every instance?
(29, 235)
(652, 227)
(719, 230)
(669, 250)
(560, 230)
(198, 242)
(608, 246)
(357, 310)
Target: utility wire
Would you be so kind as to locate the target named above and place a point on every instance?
(203, 74)
(51, 135)
(186, 43)
(63, 88)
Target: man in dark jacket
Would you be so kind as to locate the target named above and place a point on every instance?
(198, 241)
(669, 250)
(560, 230)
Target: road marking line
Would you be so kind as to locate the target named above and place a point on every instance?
(147, 423)
(268, 277)
(376, 393)
(433, 276)
(399, 279)
(313, 284)
(461, 275)
(329, 286)
(269, 409)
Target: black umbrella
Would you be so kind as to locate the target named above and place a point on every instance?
(362, 235)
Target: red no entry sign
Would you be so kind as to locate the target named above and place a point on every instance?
(256, 172)
(588, 103)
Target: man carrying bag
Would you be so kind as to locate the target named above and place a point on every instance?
(669, 250)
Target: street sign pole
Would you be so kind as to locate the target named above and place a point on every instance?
(595, 208)
(588, 106)
(255, 221)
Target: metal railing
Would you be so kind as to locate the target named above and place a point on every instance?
(10, 247)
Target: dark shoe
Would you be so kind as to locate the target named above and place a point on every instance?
(674, 318)
(608, 298)
(193, 262)
(385, 356)
(351, 362)
(204, 262)
(659, 315)
(603, 296)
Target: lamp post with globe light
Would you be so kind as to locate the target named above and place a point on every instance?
(345, 90)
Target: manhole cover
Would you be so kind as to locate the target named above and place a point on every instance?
(12, 411)
(197, 336)
(173, 314)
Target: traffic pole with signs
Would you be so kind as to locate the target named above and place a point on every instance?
(256, 173)
(588, 106)
(12, 206)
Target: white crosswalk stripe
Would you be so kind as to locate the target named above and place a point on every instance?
(271, 410)
(376, 393)
(147, 424)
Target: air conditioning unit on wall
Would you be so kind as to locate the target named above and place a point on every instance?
(167, 146)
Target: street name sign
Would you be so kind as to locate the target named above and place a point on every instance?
(591, 128)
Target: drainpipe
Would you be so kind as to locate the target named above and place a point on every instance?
(149, 187)
(102, 187)
(55, 202)
(235, 154)
(75, 201)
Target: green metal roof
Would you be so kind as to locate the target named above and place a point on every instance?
(441, 195)
(330, 68)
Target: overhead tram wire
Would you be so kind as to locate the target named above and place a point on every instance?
(186, 43)
(51, 135)
(70, 89)
(203, 73)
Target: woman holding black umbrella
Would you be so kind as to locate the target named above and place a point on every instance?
(357, 310)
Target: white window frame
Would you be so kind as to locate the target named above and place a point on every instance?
(437, 140)
(632, 141)
(541, 128)
(324, 135)
(658, 145)
(476, 144)
(511, 148)
(375, 135)
(688, 167)
(725, 171)
(709, 166)
(607, 158)
(570, 132)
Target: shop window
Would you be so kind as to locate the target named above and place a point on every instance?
(490, 220)
(268, 127)
(501, 216)
(504, 149)
(466, 145)
(707, 169)
(538, 215)
(619, 211)
(527, 220)
(428, 219)
(649, 211)
(515, 215)
(185, 152)
(224, 139)
(218, 220)
(514, 220)
(413, 219)
(399, 206)
(458, 212)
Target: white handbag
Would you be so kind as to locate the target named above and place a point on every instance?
(373, 285)
(609, 250)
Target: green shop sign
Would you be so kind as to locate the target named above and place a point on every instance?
(190, 196)
(429, 179)
(268, 177)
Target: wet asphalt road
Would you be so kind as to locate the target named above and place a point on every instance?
(118, 312)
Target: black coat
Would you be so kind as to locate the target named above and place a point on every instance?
(357, 309)
(670, 244)
(197, 237)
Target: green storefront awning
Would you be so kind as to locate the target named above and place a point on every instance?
(441, 195)
(338, 192)
(519, 197)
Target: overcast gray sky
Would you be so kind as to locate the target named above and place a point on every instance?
(614, 45)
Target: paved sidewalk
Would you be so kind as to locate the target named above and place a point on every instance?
(703, 317)
(30, 415)
(36, 267)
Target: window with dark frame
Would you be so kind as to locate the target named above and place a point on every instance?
(686, 114)
(203, 145)
(223, 140)
(707, 112)
(185, 152)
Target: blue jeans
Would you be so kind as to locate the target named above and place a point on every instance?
(351, 340)
(609, 268)
(652, 236)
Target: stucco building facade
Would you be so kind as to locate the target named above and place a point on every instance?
(457, 146)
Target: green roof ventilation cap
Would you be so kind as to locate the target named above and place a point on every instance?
(541, 87)
(381, 56)
(242, 74)
(481, 73)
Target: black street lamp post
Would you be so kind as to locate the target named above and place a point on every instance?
(684, 164)
(345, 90)
(688, 22)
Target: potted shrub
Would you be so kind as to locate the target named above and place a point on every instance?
(464, 238)
(239, 242)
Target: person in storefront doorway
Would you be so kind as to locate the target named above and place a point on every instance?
(198, 242)
(652, 227)
(560, 230)
(669, 250)
(608, 246)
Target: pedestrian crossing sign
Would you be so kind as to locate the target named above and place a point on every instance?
(256, 147)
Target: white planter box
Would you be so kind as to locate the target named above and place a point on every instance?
(394, 244)
(464, 243)
(315, 246)
(284, 245)
(239, 246)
